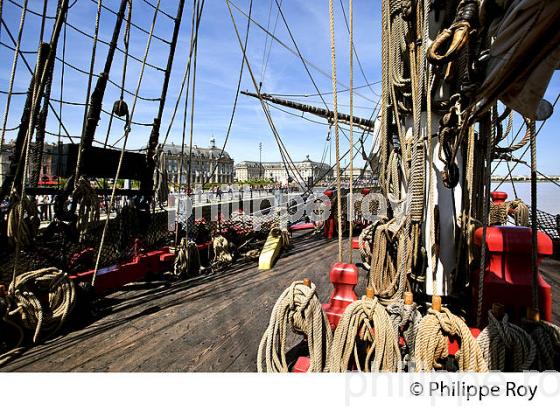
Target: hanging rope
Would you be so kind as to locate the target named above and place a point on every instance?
(23, 220)
(336, 130)
(365, 327)
(505, 346)
(88, 206)
(431, 346)
(406, 318)
(351, 95)
(546, 337)
(298, 307)
(123, 149)
(222, 252)
(187, 261)
(534, 221)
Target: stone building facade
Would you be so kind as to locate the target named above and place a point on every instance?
(203, 162)
(276, 171)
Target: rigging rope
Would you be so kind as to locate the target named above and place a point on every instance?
(351, 95)
(123, 149)
(336, 131)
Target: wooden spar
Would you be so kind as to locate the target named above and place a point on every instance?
(96, 98)
(320, 112)
(147, 183)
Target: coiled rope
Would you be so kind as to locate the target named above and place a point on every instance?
(23, 220)
(88, 205)
(299, 307)
(505, 346)
(365, 323)
(222, 254)
(44, 298)
(187, 262)
(546, 337)
(431, 345)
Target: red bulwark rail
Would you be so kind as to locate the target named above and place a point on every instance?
(111, 278)
(508, 276)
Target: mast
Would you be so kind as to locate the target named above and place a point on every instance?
(30, 114)
(147, 183)
(96, 99)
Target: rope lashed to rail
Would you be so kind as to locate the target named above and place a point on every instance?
(298, 307)
(365, 321)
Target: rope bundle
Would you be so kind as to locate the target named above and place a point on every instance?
(88, 205)
(187, 262)
(299, 307)
(499, 213)
(44, 299)
(547, 340)
(222, 254)
(406, 320)
(385, 277)
(506, 346)
(22, 210)
(432, 343)
(365, 321)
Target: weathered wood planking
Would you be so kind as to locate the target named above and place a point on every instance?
(205, 324)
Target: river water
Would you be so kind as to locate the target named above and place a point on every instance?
(548, 194)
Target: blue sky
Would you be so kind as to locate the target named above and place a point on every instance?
(219, 59)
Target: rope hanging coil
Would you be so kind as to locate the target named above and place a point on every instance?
(299, 307)
(44, 299)
(222, 254)
(406, 320)
(187, 262)
(88, 205)
(365, 321)
(506, 346)
(546, 336)
(431, 344)
(22, 210)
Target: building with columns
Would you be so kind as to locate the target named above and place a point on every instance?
(203, 162)
(276, 171)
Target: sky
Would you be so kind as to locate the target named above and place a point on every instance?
(218, 65)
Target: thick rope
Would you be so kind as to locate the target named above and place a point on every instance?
(547, 340)
(222, 254)
(406, 321)
(431, 345)
(88, 206)
(299, 307)
(187, 261)
(365, 328)
(43, 298)
(23, 220)
(505, 346)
